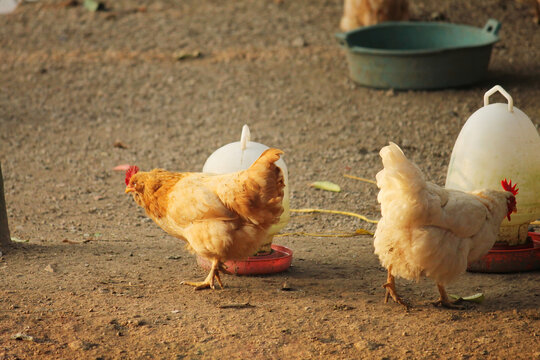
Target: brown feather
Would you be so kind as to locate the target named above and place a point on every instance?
(261, 195)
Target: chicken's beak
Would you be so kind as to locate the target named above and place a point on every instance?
(129, 189)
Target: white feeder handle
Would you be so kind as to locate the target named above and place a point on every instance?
(499, 88)
(244, 139)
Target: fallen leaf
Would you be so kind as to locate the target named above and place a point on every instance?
(122, 167)
(326, 185)
(70, 242)
(185, 55)
(15, 239)
(93, 5)
(49, 268)
(120, 145)
(22, 336)
(476, 298)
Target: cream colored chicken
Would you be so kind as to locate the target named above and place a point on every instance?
(221, 217)
(426, 230)
(358, 13)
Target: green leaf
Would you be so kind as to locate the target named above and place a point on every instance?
(185, 55)
(326, 185)
(477, 298)
(15, 239)
(93, 5)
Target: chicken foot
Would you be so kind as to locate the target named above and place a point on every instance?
(390, 287)
(444, 301)
(209, 281)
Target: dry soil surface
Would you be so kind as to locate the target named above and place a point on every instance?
(95, 279)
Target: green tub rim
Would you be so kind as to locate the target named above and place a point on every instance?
(489, 31)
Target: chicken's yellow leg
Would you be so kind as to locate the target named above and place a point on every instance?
(209, 281)
(445, 301)
(390, 287)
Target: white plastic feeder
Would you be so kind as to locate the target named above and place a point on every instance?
(499, 141)
(239, 156)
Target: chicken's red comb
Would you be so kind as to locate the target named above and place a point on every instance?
(130, 172)
(508, 186)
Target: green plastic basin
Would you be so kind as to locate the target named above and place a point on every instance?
(419, 55)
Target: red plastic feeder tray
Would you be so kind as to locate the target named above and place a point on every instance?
(277, 261)
(508, 259)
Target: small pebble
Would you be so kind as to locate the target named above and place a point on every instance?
(298, 42)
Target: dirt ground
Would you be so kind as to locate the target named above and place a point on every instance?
(97, 280)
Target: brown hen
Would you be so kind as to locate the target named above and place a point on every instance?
(221, 217)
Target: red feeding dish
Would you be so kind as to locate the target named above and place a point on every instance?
(277, 261)
(507, 259)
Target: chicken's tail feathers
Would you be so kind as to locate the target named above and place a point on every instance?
(264, 168)
(263, 190)
(402, 185)
(398, 170)
(269, 156)
(392, 155)
(266, 176)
